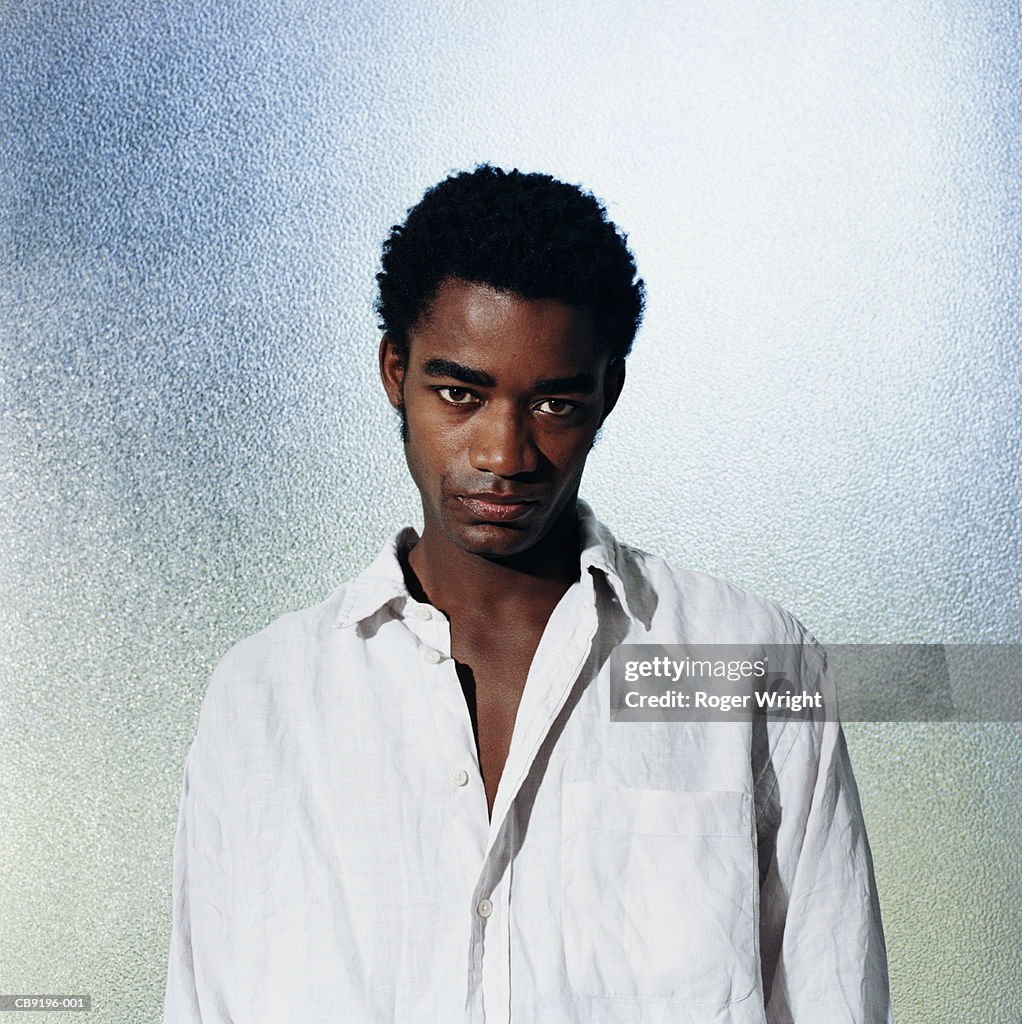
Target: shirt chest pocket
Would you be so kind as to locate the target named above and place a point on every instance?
(658, 894)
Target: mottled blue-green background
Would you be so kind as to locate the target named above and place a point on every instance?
(824, 199)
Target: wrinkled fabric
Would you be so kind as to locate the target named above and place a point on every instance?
(335, 861)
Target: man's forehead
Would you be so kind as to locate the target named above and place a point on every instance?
(475, 324)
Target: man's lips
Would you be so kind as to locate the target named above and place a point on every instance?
(497, 508)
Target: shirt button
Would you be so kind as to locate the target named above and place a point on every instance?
(459, 777)
(416, 611)
(485, 908)
(431, 657)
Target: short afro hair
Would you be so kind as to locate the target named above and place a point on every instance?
(527, 234)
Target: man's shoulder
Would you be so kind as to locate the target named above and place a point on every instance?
(282, 648)
(706, 606)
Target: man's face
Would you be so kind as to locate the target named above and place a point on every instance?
(502, 398)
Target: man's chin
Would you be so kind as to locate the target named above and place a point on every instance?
(493, 540)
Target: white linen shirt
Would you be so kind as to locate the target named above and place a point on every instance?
(335, 861)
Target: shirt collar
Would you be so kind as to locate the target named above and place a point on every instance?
(382, 581)
(601, 551)
(379, 583)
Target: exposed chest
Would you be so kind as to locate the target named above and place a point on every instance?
(493, 671)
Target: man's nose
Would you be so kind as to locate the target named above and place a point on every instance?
(502, 443)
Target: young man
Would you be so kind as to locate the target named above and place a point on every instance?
(410, 802)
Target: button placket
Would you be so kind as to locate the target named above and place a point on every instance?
(492, 925)
(456, 750)
(430, 629)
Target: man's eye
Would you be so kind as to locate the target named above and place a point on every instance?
(456, 396)
(556, 407)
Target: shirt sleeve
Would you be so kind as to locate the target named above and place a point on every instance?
(198, 941)
(822, 947)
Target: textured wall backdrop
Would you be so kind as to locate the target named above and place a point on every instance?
(823, 406)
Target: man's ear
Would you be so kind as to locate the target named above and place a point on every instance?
(392, 371)
(613, 382)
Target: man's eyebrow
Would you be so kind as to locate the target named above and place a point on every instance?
(580, 384)
(447, 368)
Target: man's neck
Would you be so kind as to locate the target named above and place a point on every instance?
(531, 583)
